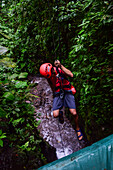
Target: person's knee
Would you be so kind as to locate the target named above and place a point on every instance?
(56, 113)
(73, 112)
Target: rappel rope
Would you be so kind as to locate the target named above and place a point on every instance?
(56, 57)
(58, 28)
(52, 31)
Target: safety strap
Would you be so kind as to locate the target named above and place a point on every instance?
(60, 75)
(62, 93)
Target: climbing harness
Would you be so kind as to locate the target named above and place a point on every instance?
(61, 93)
(60, 87)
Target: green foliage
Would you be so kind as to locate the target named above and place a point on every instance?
(93, 69)
(80, 35)
(17, 118)
(3, 50)
(22, 25)
(2, 136)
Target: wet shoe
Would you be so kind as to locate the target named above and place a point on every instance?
(61, 118)
(79, 135)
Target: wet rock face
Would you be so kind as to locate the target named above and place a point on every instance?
(43, 103)
(60, 136)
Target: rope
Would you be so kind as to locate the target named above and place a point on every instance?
(58, 29)
(52, 30)
(55, 54)
(56, 57)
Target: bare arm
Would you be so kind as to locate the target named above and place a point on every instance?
(68, 72)
(58, 64)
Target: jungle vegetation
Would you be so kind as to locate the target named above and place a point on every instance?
(80, 34)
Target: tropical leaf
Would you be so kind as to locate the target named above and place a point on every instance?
(23, 75)
(21, 84)
(8, 96)
(3, 50)
(2, 113)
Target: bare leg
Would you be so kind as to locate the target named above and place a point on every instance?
(75, 115)
(56, 113)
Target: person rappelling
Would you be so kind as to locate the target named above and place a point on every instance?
(63, 91)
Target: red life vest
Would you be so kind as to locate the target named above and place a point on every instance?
(60, 81)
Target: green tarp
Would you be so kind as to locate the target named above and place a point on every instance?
(98, 156)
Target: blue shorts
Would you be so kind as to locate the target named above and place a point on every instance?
(67, 101)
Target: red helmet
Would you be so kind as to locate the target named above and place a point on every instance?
(45, 70)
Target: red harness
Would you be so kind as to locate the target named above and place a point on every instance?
(60, 81)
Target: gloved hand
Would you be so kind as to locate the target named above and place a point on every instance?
(57, 63)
